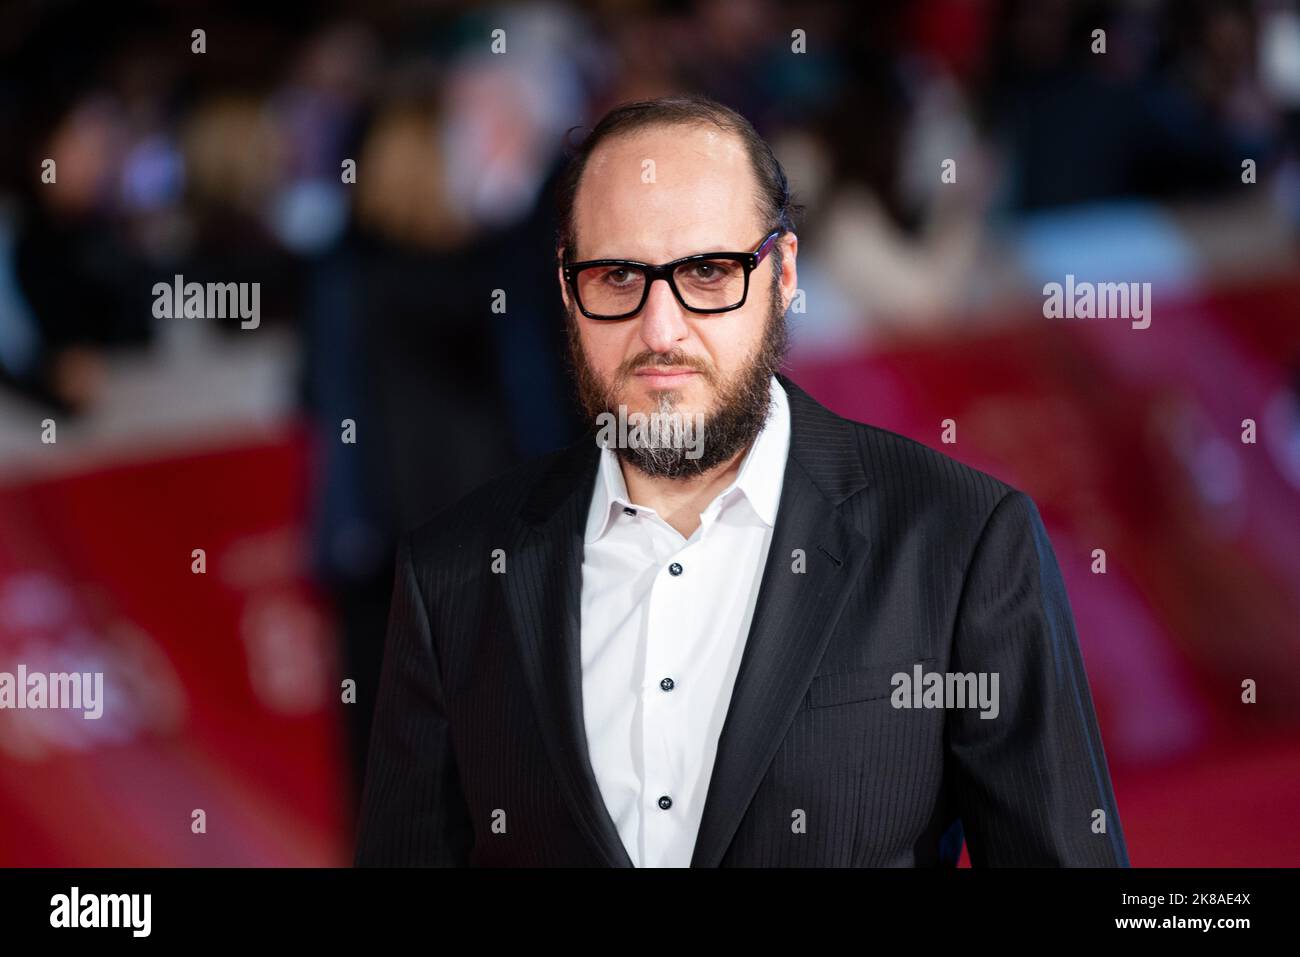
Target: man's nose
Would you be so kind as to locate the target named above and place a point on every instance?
(663, 320)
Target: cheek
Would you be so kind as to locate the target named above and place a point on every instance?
(732, 339)
(605, 348)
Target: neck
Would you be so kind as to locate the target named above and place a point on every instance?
(678, 501)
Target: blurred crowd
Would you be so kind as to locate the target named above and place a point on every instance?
(232, 164)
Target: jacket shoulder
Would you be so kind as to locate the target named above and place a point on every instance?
(901, 475)
(908, 478)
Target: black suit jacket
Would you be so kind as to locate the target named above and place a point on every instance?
(479, 754)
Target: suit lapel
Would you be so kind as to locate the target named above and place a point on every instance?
(792, 622)
(794, 615)
(543, 590)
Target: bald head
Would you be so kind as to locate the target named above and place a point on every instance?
(666, 191)
(712, 135)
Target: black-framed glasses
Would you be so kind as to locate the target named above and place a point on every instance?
(705, 282)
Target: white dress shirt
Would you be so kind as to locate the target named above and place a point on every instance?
(664, 624)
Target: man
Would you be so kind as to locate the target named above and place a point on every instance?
(803, 641)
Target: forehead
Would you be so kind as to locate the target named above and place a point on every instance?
(666, 191)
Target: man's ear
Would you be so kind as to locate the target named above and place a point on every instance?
(788, 246)
(559, 274)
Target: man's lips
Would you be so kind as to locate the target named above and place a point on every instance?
(663, 375)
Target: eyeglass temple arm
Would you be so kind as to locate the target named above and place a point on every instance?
(766, 247)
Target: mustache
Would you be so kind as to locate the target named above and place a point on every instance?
(649, 360)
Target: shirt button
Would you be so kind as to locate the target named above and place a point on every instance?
(674, 569)
(667, 684)
(665, 802)
(629, 511)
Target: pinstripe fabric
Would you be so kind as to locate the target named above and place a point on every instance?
(885, 554)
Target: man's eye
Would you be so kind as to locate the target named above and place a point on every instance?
(709, 271)
(619, 276)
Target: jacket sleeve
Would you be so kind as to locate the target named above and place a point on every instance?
(1030, 782)
(413, 812)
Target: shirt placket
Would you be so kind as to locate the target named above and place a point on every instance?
(672, 630)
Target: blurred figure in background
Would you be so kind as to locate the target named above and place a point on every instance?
(433, 323)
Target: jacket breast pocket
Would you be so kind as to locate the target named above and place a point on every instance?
(858, 684)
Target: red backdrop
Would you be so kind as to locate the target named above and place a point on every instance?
(225, 692)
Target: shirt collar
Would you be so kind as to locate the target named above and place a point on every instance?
(759, 479)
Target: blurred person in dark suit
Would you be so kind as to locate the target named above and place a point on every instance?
(81, 289)
(659, 653)
(403, 339)
(414, 371)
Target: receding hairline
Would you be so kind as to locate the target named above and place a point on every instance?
(658, 123)
(650, 125)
